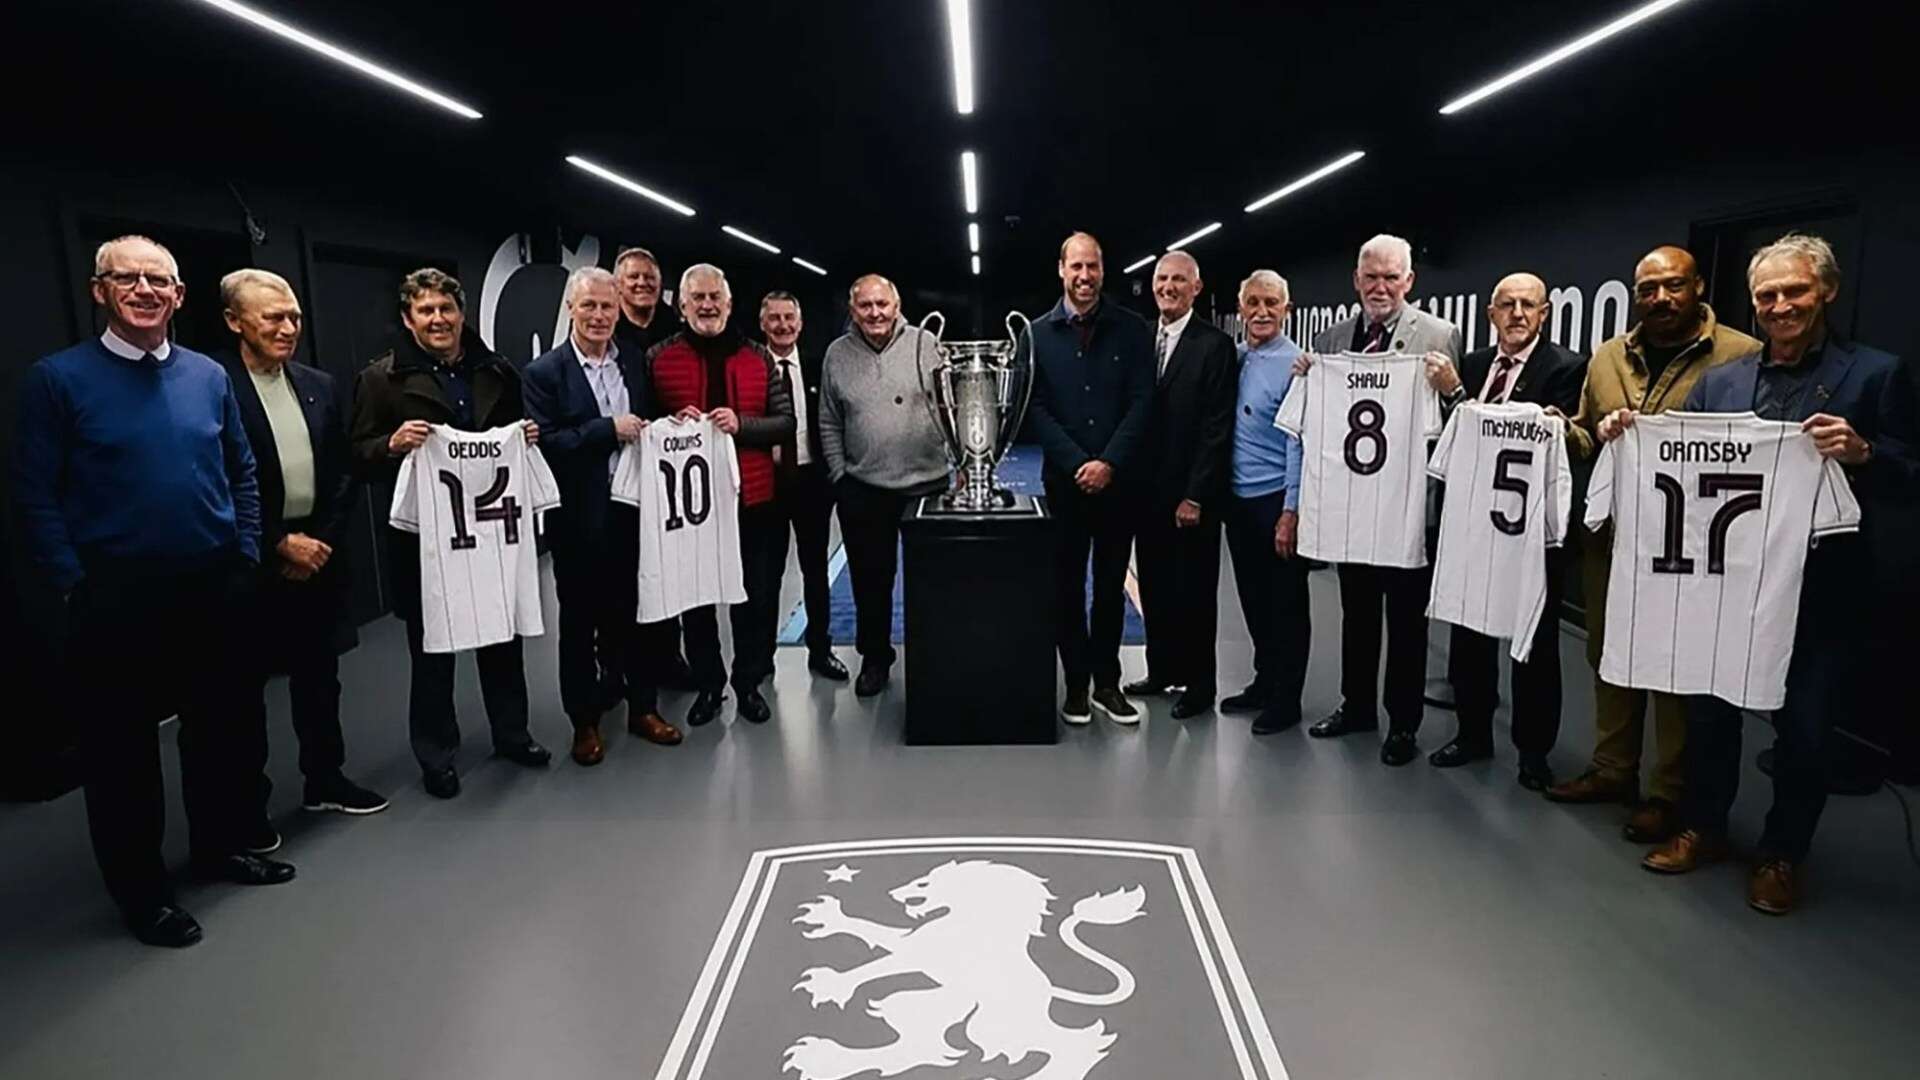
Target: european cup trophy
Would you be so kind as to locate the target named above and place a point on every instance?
(978, 393)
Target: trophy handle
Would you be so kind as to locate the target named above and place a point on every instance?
(927, 392)
(1011, 429)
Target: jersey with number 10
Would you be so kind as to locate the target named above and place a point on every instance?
(1712, 516)
(685, 478)
(1509, 492)
(1364, 422)
(472, 496)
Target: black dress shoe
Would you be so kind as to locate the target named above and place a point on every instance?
(705, 707)
(1535, 773)
(1457, 753)
(440, 783)
(243, 869)
(1147, 687)
(828, 666)
(529, 753)
(1341, 724)
(1252, 699)
(164, 925)
(1398, 749)
(752, 707)
(1271, 721)
(872, 680)
(1191, 705)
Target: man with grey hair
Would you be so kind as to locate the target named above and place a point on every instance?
(883, 451)
(1385, 322)
(588, 396)
(136, 493)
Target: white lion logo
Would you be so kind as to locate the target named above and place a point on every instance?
(976, 953)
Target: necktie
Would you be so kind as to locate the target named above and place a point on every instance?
(785, 453)
(1376, 338)
(1497, 390)
(1160, 349)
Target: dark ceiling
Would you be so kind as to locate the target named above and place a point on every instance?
(829, 128)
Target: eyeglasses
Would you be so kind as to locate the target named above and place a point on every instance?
(1518, 303)
(131, 279)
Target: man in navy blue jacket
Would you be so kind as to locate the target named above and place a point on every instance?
(136, 490)
(1092, 396)
(1859, 408)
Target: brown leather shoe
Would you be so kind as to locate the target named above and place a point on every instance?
(1686, 852)
(1592, 787)
(1773, 889)
(654, 729)
(587, 747)
(1653, 822)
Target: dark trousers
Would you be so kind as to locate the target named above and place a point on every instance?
(1179, 572)
(1273, 599)
(146, 641)
(1473, 667)
(1100, 525)
(805, 505)
(430, 718)
(594, 577)
(292, 626)
(870, 531)
(752, 619)
(1403, 592)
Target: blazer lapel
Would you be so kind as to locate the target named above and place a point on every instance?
(1834, 365)
(1189, 341)
(578, 389)
(311, 405)
(253, 416)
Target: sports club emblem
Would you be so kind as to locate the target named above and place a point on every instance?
(972, 959)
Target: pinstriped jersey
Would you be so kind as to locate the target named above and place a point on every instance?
(1509, 493)
(1712, 517)
(685, 478)
(1364, 422)
(472, 497)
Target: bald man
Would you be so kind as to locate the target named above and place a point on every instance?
(1649, 369)
(1522, 366)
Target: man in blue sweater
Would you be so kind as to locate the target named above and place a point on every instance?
(135, 486)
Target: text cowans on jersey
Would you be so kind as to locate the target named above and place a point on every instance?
(684, 476)
(1713, 514)
(472, 497)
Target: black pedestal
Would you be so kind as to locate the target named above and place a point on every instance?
(979, 625)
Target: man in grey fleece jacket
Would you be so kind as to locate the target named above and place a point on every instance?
(883, 450)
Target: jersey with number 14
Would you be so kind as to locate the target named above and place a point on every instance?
(1364, 422)
(472, 496)
(1712, 516)
(685, 478)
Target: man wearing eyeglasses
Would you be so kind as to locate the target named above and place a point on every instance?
(135, 486)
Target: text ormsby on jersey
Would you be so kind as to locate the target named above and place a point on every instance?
(1704, 451)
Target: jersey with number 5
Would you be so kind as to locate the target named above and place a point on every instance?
(472, 497)
(685, 478)
(1712, 516)
(1364, 422)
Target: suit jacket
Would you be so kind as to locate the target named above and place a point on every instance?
(574, 438)
(1189, 441)
(811, 362)
(1092, 402)
(1417, 332)
(1551, 376)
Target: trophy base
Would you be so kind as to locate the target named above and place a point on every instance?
(1004, 504)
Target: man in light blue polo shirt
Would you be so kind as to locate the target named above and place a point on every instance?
(1262, 517)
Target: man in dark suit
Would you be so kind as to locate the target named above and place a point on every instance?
(588, 398)
(300, 622)
(1185, 460)
(1858, 406)
(1522, 367)
(803, 495)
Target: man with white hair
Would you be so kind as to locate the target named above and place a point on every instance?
(136, 493)
(1857, 405)
(1385, 322)
(711, 370)
(588, 396)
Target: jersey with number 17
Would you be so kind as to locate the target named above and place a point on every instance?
(684, 476)
(1364, 421)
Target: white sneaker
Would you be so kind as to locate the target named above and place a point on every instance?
(1116, 706)
(1076, 711)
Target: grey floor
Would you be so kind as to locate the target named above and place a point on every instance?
(1411, 923)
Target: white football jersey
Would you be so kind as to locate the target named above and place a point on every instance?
(1364, 422)
(685, 478)
(1509, 493)
(472, 496)
(1712, 516)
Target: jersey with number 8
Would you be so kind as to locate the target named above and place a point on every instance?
(685, 478)
(1712, 516)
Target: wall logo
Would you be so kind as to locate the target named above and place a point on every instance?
(1570, 325)
(523, 308)
(925, 958)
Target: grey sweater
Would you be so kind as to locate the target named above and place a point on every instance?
(875, 425)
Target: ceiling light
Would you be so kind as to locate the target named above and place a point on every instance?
(749, 238)
(634, 186)
(1192, 236)
(960, 35)
(1580, 44)
(341, 56)
(973, 237)
(970, 180)
(821, 270)
(976, 266)
(1325, 170)
(1138, 263)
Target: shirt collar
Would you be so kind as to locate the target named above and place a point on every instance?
(1523, 355)
(613, 353)
(1279, 343)
(1177, 326)
(791, 357)
(1389, 322)
(126, 350)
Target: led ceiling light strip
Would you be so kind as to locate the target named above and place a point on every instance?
(749, 238)
(821, 270)
(1580, 44)
(1323, 171)
(1138, 263)
(1192, 236)
(634, 186)
(960, 36)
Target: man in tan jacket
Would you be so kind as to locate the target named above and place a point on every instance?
(1649, 369)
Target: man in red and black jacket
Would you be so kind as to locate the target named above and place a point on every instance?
(712, 371)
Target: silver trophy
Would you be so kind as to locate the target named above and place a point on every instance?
(978, 393)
